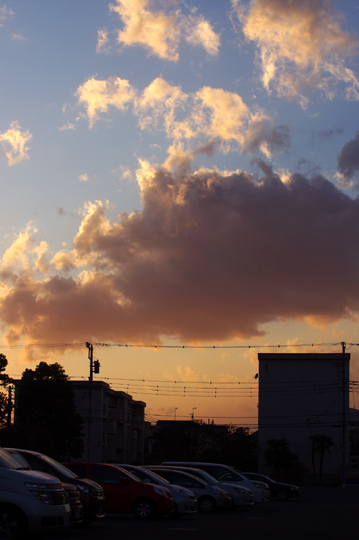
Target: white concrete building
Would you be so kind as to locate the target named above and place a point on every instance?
(301, 395)
(113, 423)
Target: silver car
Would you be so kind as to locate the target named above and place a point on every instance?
(185, 499)
(229, 475)
(209, 498)
(241, 495)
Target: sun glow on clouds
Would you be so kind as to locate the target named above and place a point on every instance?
(213, 113)
(301, 46)
(186, 265)
(158, 32)
(14, 142)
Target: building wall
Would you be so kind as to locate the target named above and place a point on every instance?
(301, 395)
(113, 423)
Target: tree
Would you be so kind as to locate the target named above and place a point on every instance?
(198, 441)
(46, 401)
(321, 444)
(4, 381)
(279, 456)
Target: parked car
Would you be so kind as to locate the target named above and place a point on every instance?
(281, 491)
(241, 496)
(30, 501)
(91, 494)
(125, 493)
(185, 500)
(209, 498)
(77, 510)
(225, 473)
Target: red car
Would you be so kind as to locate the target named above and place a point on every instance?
(124, 492)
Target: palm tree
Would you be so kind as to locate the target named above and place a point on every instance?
(320, 444)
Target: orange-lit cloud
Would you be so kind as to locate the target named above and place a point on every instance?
(154, 30)
(211, 113)
(13, 143)
(102, 41)
(200, 32)
(211, 257)
(158, 32)
(97, 96)
(301, 46)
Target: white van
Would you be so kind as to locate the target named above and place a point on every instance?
(30, 501)
(225, 473)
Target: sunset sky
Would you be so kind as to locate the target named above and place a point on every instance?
(179, 173)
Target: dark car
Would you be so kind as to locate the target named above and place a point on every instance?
(91, 494)
(281, 491)
(125, 493)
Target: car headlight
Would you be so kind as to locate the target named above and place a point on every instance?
(180, 491)
(239, 490)
(89, 490)
(161, 491)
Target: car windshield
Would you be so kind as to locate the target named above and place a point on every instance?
(203, 475)
(22, 460)
(60, 468)
(9, 462)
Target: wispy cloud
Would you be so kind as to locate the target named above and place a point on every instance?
(83, 177)
(301, 46)
(160, 32)
(5, 14)
(14, 143)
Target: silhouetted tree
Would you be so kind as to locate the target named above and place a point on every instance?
(279, 456)
(4, 381)
(321, 444)
(46, 402)
(198, 441)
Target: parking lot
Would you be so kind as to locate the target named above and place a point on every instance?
(320, 512)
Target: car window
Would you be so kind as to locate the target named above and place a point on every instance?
(79, 470)
(106, 475)
(180, 479)
(219, 473)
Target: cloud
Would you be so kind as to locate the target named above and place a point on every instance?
(301, 46)
(14, 142)
(348, 158)
(210, 113)
(200, 32)
(102, 41)
(211, 257)
(161, 33)
(155, 31)
(97, 96)
(5, 14)
(83, 177)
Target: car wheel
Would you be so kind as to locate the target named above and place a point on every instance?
(282, 495)
(12, 523)
(206, 505)
(144, 509)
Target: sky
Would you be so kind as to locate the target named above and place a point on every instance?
(179, 188)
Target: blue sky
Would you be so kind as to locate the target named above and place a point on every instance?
(178, 173)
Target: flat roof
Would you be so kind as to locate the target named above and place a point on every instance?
(303, 356)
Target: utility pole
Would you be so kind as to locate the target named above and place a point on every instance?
(90, 357)
(344, 445)
(94, 368)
